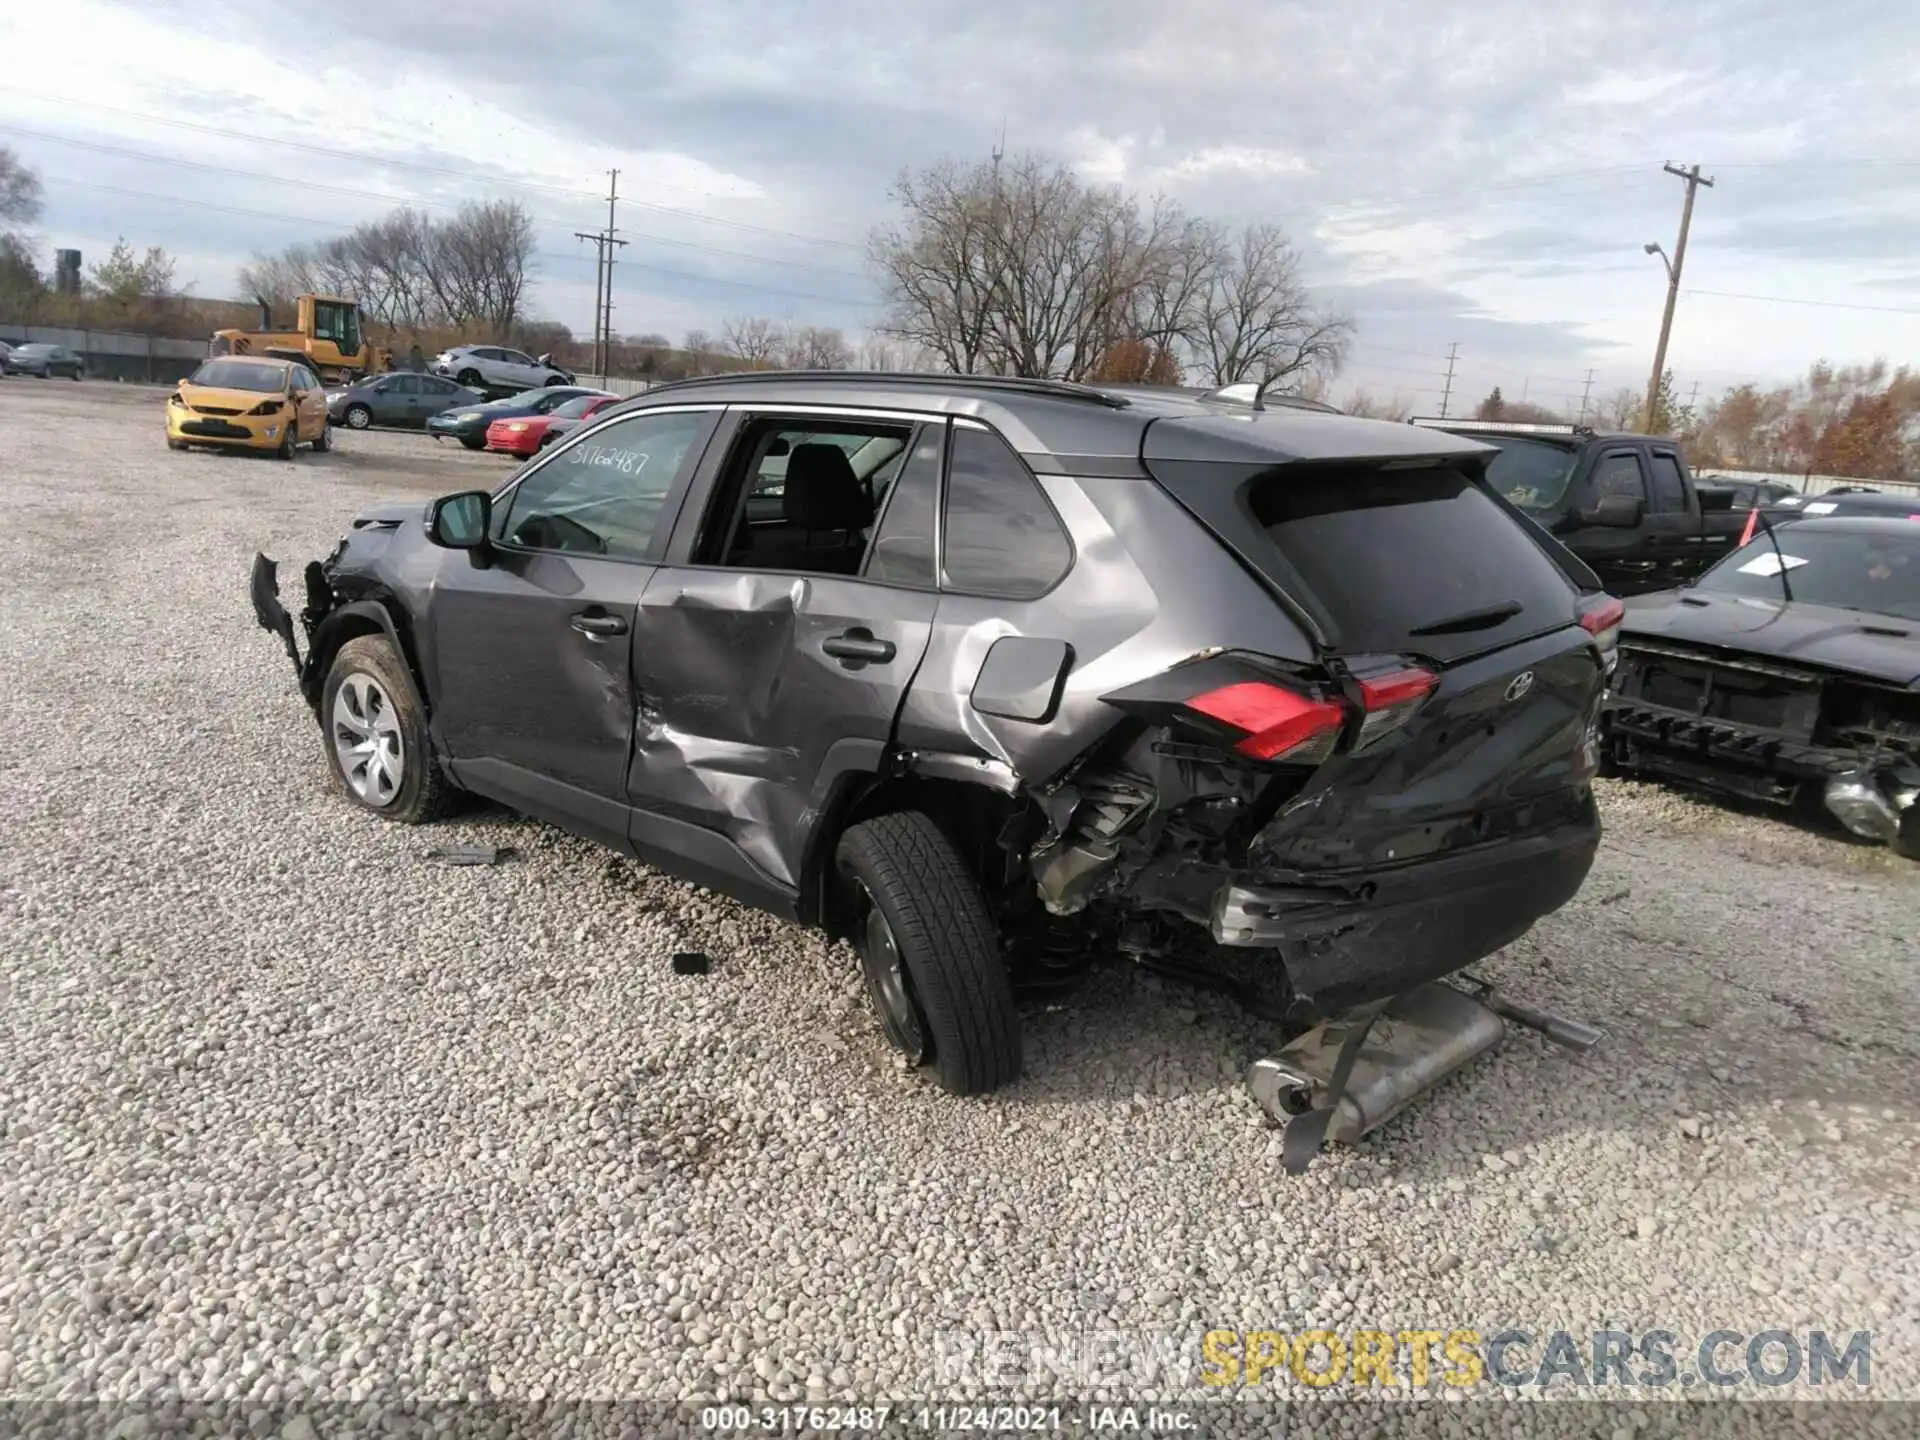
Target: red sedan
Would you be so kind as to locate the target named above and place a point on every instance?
(528, 435)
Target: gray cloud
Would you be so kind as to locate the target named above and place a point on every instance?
(1511, 150)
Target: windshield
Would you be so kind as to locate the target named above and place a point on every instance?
(574, 409)
(239, 375)
(34, 350)
(1875, 571)
(1531, 474)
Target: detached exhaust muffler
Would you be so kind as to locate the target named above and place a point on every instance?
(1349, 1076)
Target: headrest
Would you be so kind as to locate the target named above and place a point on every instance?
(821, 491)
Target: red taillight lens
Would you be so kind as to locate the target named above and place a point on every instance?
(1391, 698)
(1280, 724)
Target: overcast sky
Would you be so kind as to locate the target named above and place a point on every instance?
(1482, 173)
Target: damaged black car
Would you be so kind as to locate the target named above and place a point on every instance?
(1788, 674)
(991, 677)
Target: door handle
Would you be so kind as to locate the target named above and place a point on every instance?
(598, 626)
(858, 645)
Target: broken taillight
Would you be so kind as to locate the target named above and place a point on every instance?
(1390, 699)
(1276, 723)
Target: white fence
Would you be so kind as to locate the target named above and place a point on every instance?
(1811, 484)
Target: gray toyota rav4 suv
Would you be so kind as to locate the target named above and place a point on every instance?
(992, 677)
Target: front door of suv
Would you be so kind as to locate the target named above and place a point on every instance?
(531, 675)
(774, 658)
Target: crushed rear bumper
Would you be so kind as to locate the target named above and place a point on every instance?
(1357, 938)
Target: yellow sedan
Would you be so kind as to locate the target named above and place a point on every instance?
(247, 403)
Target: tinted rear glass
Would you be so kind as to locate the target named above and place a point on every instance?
(1388, 554)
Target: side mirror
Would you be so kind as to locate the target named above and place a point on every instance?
(1615, 512)
(460, 522)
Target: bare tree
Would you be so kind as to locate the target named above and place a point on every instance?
(1257, 321)
(699, 345)
(1369, 406)
(650, 340)
(409, 271)
(19, 190)
(816, 347)
(937, 264)
(754, 340)
(1618, 409)
(1022, 267)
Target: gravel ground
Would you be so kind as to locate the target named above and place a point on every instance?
(289, 1115)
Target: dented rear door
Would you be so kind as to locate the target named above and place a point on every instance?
(750, 682)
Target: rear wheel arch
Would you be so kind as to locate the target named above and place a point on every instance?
(970, 815)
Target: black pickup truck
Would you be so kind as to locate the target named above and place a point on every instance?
(1622, 502)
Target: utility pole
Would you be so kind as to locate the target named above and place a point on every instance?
(1585, 391)
(1694, 181)
(603, 243)
(1693, 395)
(1453, 354)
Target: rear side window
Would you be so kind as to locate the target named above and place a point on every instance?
(903, 546)
(1411, 560)
(1002, 537)
(1669, 490)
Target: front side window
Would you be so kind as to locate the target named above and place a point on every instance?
(1618, 477)
(1001, 536)
(605, 495)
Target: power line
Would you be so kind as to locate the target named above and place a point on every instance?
(1796, 300)
(394, 162)
(146, 157)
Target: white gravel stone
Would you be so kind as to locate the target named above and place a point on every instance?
(289, 1113)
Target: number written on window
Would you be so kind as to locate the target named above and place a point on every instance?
(605, 497)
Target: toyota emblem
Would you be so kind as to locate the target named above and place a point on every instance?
(1520, 685)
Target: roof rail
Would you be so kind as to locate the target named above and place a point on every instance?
(1052, 389)
(1502, 427)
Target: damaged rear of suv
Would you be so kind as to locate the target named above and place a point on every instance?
(993, 677)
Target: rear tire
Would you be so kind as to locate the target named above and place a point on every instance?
(930, 953)
(358, 417)
(470, 379)
(381, 718)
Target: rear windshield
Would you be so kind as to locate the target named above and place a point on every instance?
(1531, 474)
(239, 375)
(1877, 572)
(1411, 560)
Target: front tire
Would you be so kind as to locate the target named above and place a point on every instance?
(173, 444)
(358, 417)
(323, 442)
(929, 952)
(556, 380)
(289, 438)
(472, 443)
(376, 734)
